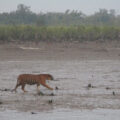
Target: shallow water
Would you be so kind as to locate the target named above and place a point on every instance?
(63, 114)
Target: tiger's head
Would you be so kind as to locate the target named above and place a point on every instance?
(50, 77)
(47, 76)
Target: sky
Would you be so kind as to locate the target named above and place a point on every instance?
(86, 6)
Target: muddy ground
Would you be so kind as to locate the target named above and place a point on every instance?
(87, 74)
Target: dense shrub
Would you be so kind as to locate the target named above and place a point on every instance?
(58, 33)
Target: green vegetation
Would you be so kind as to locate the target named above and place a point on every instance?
(34, 33)
(24, 25)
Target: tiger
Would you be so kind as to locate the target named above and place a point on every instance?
(31, 79)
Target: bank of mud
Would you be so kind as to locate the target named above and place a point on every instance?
(87, 77)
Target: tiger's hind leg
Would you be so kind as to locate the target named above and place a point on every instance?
(15, 89)
(23, 88)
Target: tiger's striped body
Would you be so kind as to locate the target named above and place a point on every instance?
(32, 79)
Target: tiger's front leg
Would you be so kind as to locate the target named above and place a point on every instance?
(47, 86)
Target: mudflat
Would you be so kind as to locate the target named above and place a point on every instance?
(87, 74)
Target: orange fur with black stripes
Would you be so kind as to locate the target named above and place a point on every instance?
(31, 79)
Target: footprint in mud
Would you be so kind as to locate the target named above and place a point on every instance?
(43, 94)
(40, 93)
(50, 101)
(5, 89)
(108, 88)
(1, 103)
(52, 94)
(33, 113)
(90, 86)
(56, 88)
(113, 93)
